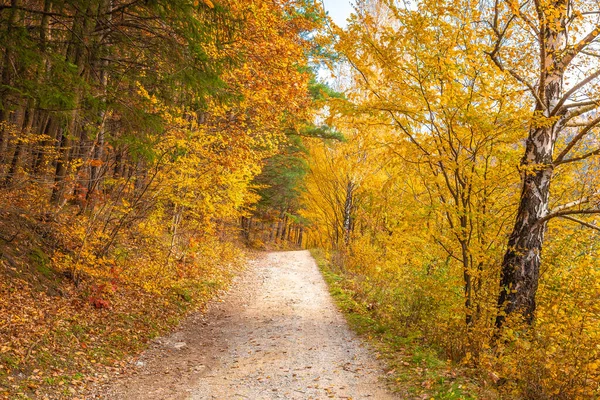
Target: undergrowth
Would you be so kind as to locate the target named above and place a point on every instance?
(415, 369)
(64, 331)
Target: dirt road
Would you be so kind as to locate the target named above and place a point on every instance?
(275, 335)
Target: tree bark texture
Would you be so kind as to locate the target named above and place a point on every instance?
(521, 263)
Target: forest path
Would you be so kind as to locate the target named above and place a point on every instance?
(275, 335)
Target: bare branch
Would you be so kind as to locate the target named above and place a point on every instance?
(579, 158)
(575, 15)
(494, 53)
(574, 203)
(576, 124)
(494, 57)
(579, 111)
(572, 52)
(392, 114)
(587, 224)
(576, 140)
(567, 210)
(559, 106)
(530, 24)
(33, 11)
(8, 240)
(589, 53)
(562, 214)
(449, 252)
(582, 104)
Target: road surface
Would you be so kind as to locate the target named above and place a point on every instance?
(275, 335)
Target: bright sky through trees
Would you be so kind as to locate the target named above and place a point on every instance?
(339, 10)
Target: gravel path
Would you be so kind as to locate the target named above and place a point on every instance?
(275, 335)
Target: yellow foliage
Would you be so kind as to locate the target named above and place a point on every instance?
(416, 205)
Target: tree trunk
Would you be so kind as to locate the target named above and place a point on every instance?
(348, 206)
(284, 227)
(98, 153)
(39, 156)
(119, 164)
(7, 65)
(75, 55)
(278, 230)
(245, 222)
(60, 171)
(6, 79)
(521, 263)
(14, 165)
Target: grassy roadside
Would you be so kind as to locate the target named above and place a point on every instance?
(414, 371)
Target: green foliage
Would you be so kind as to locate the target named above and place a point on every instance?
(41, 261)
(322, 132)
(321, 91)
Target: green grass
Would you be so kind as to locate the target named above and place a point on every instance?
(414, 370)
(41, 261)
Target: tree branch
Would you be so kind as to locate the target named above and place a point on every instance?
(33, 11)
(392, 115)
(493, 55)
(574, 203)
(569, 93)
(562, 214)
(576, 140)
(582, 104)
(592, 226)
(579, 111)
(579, 158)
(576, 49)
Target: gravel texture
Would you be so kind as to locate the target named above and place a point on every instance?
(275, 335)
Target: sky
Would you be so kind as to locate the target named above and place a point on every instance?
(339, 10)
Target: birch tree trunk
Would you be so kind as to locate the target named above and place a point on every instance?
(521, 263)
(348, 209)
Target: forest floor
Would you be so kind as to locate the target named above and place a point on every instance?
(275, 335)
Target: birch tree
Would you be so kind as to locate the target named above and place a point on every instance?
(551, 48)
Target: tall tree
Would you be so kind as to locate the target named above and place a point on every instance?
(550, 47)
(423, 73)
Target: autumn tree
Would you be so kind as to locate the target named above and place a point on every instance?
(550, 48)
(421, 73)
(145, 122)
(440, 130)
(280, 185)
